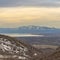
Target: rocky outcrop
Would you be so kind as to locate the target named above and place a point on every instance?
(13, 49)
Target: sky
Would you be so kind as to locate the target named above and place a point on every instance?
(16, 13)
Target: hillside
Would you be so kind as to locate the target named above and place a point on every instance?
(13, 49)
(54, 56)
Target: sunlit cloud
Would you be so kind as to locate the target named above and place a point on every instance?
(19, 16)
(29, 13)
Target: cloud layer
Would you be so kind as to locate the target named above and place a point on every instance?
(14, 13)
(19, 16)
(44, 3)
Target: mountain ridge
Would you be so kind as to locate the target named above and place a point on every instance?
(30, 30)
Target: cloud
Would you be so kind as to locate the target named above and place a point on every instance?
(44, 3)
(19, 16)
(29, 13)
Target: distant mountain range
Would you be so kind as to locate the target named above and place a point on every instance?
(30, 30)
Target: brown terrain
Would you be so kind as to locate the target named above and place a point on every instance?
(54, 56)
(15, 49)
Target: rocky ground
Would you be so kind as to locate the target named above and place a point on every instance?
(13, 49)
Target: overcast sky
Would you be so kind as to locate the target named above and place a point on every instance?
(15, 13)
(12, 3)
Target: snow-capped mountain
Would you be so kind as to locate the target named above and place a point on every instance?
(30, 30)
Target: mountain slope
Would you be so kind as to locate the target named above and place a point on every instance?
(13, 49)
(54, 56)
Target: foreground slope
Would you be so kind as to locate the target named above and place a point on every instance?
(54, 56)
(13, 49)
